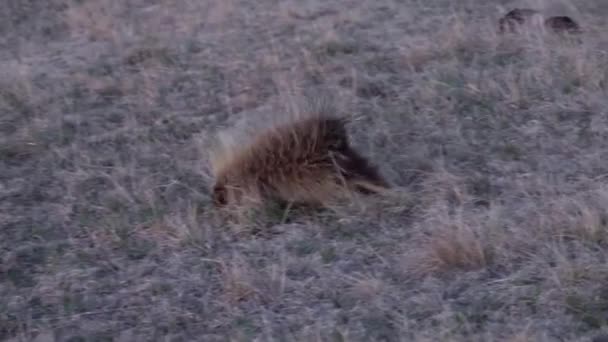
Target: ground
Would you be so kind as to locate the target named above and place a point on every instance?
(496, 146)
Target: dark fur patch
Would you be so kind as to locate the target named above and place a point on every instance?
(515, 18)
(355, 167)
(562, 24)
(219, 195)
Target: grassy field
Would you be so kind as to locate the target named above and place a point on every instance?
(497, 147)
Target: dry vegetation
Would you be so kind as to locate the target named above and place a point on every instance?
(498, 146)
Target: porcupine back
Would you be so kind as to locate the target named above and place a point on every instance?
(309, 160)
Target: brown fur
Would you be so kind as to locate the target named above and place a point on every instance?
(309, 161)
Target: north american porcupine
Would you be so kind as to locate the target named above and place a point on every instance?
(306, 161)
(517, 18)
(563, 24)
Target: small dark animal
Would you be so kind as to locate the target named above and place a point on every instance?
(562, 24)
(516, 19)
(308, 161)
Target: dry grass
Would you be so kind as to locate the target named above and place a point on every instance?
(497, 228)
